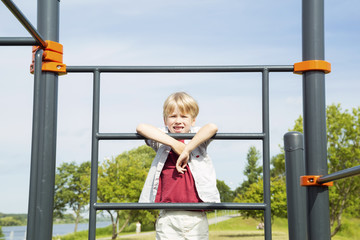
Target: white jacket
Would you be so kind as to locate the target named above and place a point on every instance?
(200, 165)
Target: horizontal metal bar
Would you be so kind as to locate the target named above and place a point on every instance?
(180, 206)
(17, 41)
(181, 69)
(25, 22)
(223, 136)
(340, 174)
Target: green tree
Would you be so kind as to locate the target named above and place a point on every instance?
(343, 152)
(252, 170)
(226, 195)
(278, 197)
(72, 189)
(278, 164)
(255, 194)
(278, 161)
(343, 148)
(121, 180)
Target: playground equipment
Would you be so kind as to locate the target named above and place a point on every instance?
(48, 65)
(300, 199)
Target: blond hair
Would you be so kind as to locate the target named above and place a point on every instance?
(183, 101)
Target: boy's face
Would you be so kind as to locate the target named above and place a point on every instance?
(178, 122)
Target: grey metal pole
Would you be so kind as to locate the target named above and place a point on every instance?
(179, 69)
(37, 144)
(181, 206)
(226, 136)
(340, 174)
(94, 155)
(296, 195)
(266, 154)
(44, 141)
(315, 118)
(17, 41)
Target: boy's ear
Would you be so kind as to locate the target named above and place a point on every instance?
(193, 122)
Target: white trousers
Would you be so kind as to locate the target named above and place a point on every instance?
(182, 225)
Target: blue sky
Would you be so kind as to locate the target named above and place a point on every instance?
(213, 32)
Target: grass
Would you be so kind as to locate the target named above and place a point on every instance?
(235, 228)
(239, 228)
(350, 229)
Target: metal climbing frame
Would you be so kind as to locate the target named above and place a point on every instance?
(97, 136)
(43, 153)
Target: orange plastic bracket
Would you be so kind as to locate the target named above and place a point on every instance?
(312, 65)
(310, 180)
(52, 58)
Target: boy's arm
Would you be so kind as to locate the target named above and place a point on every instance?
(204, 133)
(151, 132)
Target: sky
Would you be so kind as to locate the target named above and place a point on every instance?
(168, 33)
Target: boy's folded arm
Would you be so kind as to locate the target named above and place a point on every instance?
(153, 133)
(204, 134)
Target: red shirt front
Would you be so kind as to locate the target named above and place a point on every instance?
(176, 187)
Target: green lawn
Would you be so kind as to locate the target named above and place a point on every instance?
(236, 228)
(239, 228)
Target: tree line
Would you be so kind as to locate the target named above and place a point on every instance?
(121, 178)
(12, 219)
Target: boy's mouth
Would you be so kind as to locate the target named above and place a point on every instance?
(178, 129)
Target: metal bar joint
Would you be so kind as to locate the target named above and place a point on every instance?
(312, 65)
(52, 58)
(313, 180)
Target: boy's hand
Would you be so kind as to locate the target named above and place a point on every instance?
(182, 162)
(204, 133)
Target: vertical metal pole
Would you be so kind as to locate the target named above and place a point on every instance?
(266, 153)
(42, 178)
(94, 155)
(37, 144)
(296, 195)
(315, 118)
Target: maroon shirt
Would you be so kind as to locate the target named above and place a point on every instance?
(176, 187)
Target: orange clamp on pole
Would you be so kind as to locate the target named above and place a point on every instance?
(312, 65)
(310, 180)
(52, 58)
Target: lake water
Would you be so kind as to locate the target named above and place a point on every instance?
(19, 232)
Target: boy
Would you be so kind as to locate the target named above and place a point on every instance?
(181, 171)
